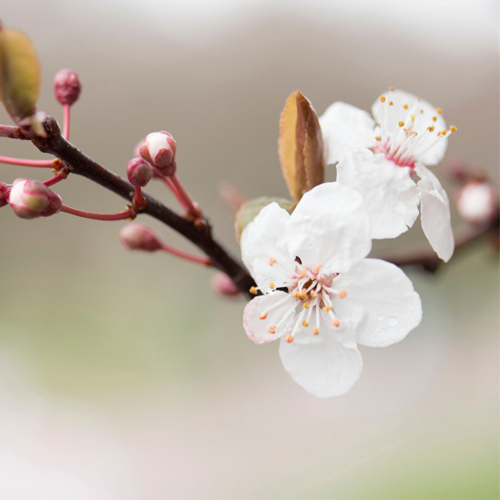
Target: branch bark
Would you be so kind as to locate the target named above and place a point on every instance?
(199, 234)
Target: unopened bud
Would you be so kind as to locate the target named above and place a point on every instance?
(159, 149)
(4, 194)
(138, 237)
(67, 86)
(477, 202)
(224, 285)
(139, 172)
(30, 199)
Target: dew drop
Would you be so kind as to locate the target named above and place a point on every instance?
(393, 321)
(380, 317)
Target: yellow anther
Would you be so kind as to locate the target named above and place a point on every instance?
(391, 103)
(391, 89)
(382, 98)
(263, 315)
(412, 118)
(453, 128)
(305, 323)
(303, 272)
(313, 294)
(439, 111)
(315, 330)
(305, 305)
(335, 322)
(444, 132)
(430, 129)
(401, 123)
(421, 110)
(296, 294)
(327, 308)
(434, 118)
(319, 266)
(342, 294)
(405, 106)
(271, 285)
(289, 339)
(377, 137)
(272, 329)
(253, 290)
(271, 261)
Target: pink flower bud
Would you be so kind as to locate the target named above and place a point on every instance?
(30, 199)
(223, 284)
(159, 149)
(139, 172)
(138, 237)
(4, 194)
(67, 86)
(477, 202)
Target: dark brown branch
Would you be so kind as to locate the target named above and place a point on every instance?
(200, 234)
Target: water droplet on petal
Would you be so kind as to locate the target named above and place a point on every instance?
(393, 321)
(380, 317)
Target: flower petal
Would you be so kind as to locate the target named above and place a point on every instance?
(424, 113)
(330, 226)
(321, 364)
(277, 305)
(435, 213)
(345, 127)
(390, 195)
(380, 302)
(264, 239)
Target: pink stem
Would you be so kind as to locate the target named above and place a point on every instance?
(139, 199)
(54, 180)
(126, 214)
(168, 182)
(183, 193)
(66, 120)
(186, 256)
(26, 163)
(11, 132)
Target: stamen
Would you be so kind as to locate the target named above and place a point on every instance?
(434, 118)
(289, 339)
(313, 294)
(253, 290)
(453, 129)
(263, 315)
(342, 294)
(405, 106)
(382, 98)
(318, 267)
(315, 331)
(303, 272)
(391, 89)
(377, 137)
(327, 308)
(305, 305)
(391, 103)
(305, 323)
(271, 285)
(272, 329)
(401, 124)
(439, 111)
(335, 322)
(271, 261)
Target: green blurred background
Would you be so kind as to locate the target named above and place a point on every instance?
(121, 374)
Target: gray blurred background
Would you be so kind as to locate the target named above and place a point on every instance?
(122, 376)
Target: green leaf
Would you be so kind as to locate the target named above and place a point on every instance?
(19, 74)
(249, 210)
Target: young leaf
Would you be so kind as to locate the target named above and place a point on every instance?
(19, 74)
(249, 210)
(300, 146)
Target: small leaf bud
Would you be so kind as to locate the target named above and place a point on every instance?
(138, 237)
(159, 149)
(4, 194)
(224, 285)
(67, 86)
(139, 172)
(477, 202)
(31, 199)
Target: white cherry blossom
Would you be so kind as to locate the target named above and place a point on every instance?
(320, 295)
(378, 157)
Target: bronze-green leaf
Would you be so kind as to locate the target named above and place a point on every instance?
(249, 210)
(19, 74)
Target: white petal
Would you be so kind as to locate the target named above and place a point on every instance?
(345, 127)
(330, 227)
(435, 213)
(264, 239)
(380, 302)
(322, 365)
(258, 329)
(424, 113)
(391, 196)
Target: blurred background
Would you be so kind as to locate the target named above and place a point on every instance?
(122, 376)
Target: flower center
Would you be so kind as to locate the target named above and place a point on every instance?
(309, 298)
(407, 133)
